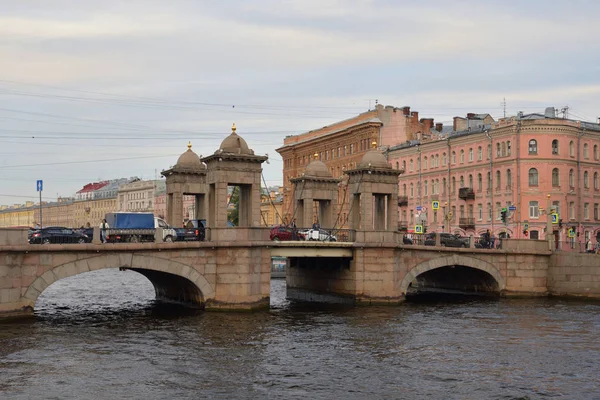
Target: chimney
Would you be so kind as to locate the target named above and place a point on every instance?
(439, 126)
(427, 124)
(406, 110)
(470, 115)
(455, 123)
(415, 115)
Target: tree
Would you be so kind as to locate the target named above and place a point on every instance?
(233, 207)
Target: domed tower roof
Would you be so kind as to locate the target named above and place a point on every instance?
(234, 144)
(189, 160)
(317, 168)
(374, 159)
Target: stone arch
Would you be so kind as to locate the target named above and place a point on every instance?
(123, 260)
(454, 259)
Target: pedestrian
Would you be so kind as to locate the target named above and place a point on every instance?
(492, 241)
(486, 238)
(589, 248)
(316, 225)
(294, 230)
(103, 227)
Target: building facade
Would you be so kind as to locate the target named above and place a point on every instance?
(18, 215)
(342, 145)
(534, 164)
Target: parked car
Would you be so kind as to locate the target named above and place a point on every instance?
(57, 234)
(447, 240)
(283, 232)
(407, 240)
(195, 230)
(320, 234)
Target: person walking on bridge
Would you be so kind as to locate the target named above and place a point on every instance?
(103, 227)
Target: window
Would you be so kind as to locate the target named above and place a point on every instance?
(508, 179)
(443, 158)
(425, 188)
(585, 150)
(490, 211)
(471, 181)
(412, 190)
(586, 183)
(404, 190)
(479, 212)
(453, 157)
(596, 183)
(532, 146)
(479, 154)
(534, 209)
(534, 235)
(498, 209)
(489, 151)
(432, 162)
(586, 211)
(462, 181)
(533, 177)
(462, 156)
(572, 210)
(479, 182)
(410, 165)
(433, 191)
(555, 147)
(571, 149)
(397, 165)
(403, 165)
(462, 211)
(470, 155)
(596, 216)
(503, 149)
(498, 180)
(571, 178)
(489, 185)
(498, 152)
(453, 185)
(555, 178)
(595, 152)
(444, 186)
(508, 148)
(437, 160)
(556, 205)
(425, 162)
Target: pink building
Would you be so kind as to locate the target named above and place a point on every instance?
(534, 163)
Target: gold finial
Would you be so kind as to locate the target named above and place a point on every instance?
(373, 144)
(233, 128)
(189, 145)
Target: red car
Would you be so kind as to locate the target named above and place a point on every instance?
(282, 233)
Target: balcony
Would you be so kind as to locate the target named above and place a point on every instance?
(466, 193)
(403, 226)
(466, 223)
(402, 200)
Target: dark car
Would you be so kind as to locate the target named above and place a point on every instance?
(447, 240)
(406, 240)
(195, 230)
(283, 232)
(57, 234)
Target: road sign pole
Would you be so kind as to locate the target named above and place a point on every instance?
(41, 224)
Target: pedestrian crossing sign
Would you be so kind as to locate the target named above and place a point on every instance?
(571, 232)
(435, 205)
(418, 228)
(555, 218)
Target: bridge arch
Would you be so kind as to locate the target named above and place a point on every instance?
(171, 279)
(449, 260)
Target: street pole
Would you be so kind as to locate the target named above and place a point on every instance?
(41, 220)
(549, 228)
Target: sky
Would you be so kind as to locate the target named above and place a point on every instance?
(98, 90)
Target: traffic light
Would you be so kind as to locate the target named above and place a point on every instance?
(503, 215)
(424, 229)
(560, 223)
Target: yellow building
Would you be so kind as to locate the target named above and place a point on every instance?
(17, 215)
(57, 213)
(271, 208)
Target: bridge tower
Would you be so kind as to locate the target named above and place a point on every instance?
(234, 164)
(373, 188)
(187, 177)
(315, 185)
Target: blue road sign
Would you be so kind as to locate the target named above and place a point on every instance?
(419, 208)
(39, 185)
(512, 208)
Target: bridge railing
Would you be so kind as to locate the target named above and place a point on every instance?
(575, 247)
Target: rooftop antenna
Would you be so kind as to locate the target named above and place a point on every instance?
(565, 112)
(376, 102)
(503, 104)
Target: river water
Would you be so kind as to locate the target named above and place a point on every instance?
(101, 335)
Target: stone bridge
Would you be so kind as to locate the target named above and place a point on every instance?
(235, 275)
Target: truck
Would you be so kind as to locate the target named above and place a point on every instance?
(136, 227)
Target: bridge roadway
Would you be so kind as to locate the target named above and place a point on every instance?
(236, 274)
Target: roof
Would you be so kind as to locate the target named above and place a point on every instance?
(90, 187)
